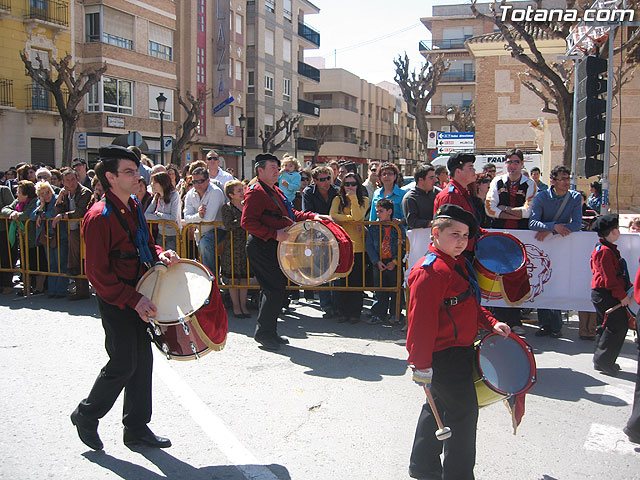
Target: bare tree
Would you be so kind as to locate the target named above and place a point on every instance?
(187, 131)
(419, 87)
(464, 117)
(68, 89)
(285, 124)
(552, 81)
(320, 134)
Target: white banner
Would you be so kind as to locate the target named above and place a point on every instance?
(559, 270)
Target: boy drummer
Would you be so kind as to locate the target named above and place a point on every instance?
(444, 316)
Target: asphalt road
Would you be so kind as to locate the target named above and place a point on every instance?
(338, 403)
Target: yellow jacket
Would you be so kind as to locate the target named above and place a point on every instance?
(355, 213)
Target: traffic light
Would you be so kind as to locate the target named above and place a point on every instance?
(591, 109)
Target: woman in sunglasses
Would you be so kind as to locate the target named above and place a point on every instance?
(349, 206)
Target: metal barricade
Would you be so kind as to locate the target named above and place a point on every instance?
(11, 251)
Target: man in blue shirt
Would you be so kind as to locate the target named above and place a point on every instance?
(556, 211)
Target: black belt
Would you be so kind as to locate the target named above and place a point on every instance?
(452, 301)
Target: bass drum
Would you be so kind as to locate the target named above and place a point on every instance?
(503, 367)
(497, 254)
(315, 253)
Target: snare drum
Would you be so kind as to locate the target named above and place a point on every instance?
(315, 252)
(498, 254)
(503, 367)
(176, 291)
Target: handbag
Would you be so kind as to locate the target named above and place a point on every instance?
(50, 240)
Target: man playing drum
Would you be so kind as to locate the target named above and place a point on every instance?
(440, 343)
(119, 250)
(266, 215)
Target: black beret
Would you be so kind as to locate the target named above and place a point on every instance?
(261, 158)
(458, 159)
(605, 223)
(459, 214)
(116, 152)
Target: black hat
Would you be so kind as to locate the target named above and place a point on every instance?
(459, 214)
(605, 223)
(458, 159)
(265, 157)
(116, 152)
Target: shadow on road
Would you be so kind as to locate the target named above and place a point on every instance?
(369, 368)
(175, 469)
(87, 307)
(571, 386)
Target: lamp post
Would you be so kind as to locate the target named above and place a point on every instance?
(242, 120)
(162, 103)
(295, 141)
(451, 116)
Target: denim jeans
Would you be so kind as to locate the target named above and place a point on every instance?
(207, 249)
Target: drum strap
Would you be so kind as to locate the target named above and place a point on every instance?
(288, 213)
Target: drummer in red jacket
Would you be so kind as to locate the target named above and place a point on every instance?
(440, 341)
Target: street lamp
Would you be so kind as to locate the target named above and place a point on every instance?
(162, 103)
(242, 120)
(451, 116)
(295, 141)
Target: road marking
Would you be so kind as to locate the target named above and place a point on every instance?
(627, 364)
(623, 393)
(605, 438)
(211, 424)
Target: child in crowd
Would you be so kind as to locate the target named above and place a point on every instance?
(609, 287)
(289, 179)
(382, 247)
(444, 314)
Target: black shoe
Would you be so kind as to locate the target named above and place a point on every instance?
(557, 334)
(328, 315)
(287, 310)
(146, 438)
(611, 371)
(282, 340)
(88, 435)
(633, 437)
(267, 342)
(543, 332)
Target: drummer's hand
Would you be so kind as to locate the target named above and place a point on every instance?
(146, 309)
(422, 377)
(169, 257)
(502, 329)
(282, 235)
(542, 235)
(324, 217)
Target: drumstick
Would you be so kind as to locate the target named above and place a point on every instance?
(613, 309)
(155, 284)
(443, 432)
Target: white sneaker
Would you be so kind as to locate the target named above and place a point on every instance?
(518, 330)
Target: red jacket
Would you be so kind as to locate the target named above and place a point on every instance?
(456, 194)
(636, 286)
(263, 214)
(608, 270)
(103, 233)
(431, 327)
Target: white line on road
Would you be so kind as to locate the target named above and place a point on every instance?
(211, 424)
(622, 392)
(627, 364)
(605, 438)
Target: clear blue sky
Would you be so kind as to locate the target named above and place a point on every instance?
(345, 24)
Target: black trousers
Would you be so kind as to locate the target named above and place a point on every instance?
(130, 367)
(351, 302)
(634, 421)
(510, 316)
(609, 340)
(455, 397)
(263, 261)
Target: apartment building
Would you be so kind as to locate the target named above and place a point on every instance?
(136, 41)
(450, 27)
(277, 75)
(211, 57)
(363, 121)
(30, 127)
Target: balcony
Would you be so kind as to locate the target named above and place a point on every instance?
(41, 99)
(458, 76)
(6, 92)
(308, 71)
(343, 139)
(441, 110)
(308, 108)
(443, 44)
(49, 11)
(308, 33)
(328, 104)
(307, 144)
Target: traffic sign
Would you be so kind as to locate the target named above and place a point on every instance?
(451, 141)
(222, 104)
(431, 139)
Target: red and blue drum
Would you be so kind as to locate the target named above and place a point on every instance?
(503, 367)
(191, 320)
(497, 254)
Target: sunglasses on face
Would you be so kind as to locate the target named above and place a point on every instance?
(198, 182)
(304, 179)
(323, 179)
(213, 158)
(350, 184)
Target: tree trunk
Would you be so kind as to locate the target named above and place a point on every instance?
(68, 132)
